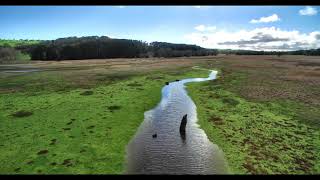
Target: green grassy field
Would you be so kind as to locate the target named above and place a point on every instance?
(79, 119)
(274, 136)
(50, 125)
(14, 43)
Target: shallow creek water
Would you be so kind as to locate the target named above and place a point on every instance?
(169, 152)
(18, 69)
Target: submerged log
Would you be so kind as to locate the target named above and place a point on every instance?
(183, 136)
(183, 125)
(154, 136)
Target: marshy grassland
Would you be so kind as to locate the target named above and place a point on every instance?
(264, 113)
(78, 116)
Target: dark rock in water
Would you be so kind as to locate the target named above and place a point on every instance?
(183, 125)
(154, 136)
(177, 80)
(167, 83)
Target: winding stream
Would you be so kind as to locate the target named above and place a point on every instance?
(169, 153)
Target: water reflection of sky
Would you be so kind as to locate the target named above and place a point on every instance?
(168, 89)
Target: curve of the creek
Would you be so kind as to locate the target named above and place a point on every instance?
(170, 152)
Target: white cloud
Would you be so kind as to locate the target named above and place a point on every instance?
(272, 18)
(202, 7)
(203, 28)
(267, 39)
(308, 11)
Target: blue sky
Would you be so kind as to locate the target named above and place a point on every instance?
(177, 24)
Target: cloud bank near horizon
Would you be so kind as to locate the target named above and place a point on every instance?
(266, 38)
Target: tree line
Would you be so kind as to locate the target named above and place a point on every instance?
(94, 47)
(310, 52)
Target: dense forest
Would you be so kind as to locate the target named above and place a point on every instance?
(95, 47)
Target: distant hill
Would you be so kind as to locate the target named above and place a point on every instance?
(15, 43)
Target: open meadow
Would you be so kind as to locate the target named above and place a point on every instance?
(77, 116)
